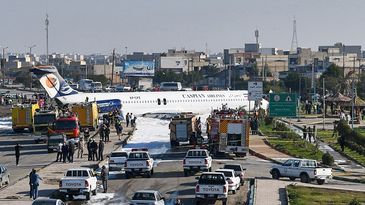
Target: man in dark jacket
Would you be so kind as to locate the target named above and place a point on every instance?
(101, 150)
(89, 151)
(35, 179)
(64, 152)
(94, 149)
(71, 152)
(17, 153)
(104, 178)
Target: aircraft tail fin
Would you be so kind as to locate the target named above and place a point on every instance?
(52, 81)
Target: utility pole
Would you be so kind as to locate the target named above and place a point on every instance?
(299, 97)
(324, 104)
(113, 67)
(343, 59)
(3, 66)
(47, 23)
(353, 95)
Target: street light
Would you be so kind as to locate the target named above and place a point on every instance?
(30, 49)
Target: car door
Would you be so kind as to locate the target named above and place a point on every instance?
(294, 169)
(286, 168)
(159, 198)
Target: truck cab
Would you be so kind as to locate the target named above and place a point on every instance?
(69, 125)
(42, 120)
(138, 162)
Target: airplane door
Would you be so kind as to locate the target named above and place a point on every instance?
(164, 101)
(158, 101)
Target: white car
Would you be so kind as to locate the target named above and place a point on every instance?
(78, 181)
(211, 186)
(117, 160)
(148, 197)
(233, 180)
(197, 160)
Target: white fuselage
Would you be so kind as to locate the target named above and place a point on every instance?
(138, 103)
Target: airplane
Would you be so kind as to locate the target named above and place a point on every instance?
(139, 103)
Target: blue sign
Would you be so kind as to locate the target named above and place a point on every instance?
(138, 68)
(106, 106)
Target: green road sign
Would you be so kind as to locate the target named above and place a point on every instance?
(283, 105)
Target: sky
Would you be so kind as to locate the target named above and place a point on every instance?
(95, 26)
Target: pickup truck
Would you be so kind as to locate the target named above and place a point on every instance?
(305, 169)
(117, 160)
(197, 160)
(149, 197)
(138, 163)
(211, 186)
(79, 181)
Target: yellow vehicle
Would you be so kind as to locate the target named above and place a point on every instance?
(22, 116)
(88, 114)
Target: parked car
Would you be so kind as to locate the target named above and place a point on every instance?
(138, 162)
(149, 197)
(240, 171)
(78, 181)
(305, 169)
(117, 160)
(233, 180)
(109, 88)
(45, 201)
(197, 160)
(211, 186)
(4, 175)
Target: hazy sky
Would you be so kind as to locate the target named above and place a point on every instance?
(98, 26)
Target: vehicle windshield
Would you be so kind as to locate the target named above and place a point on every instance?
(212, 179)
(96, 84)
(45, 202)
(226, 174)
(44, 119)
(234, 167)
(119, 154)
(65, 125)
(144, 196)
(196, 154)
(142, 155)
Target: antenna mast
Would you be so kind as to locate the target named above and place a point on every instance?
(47, 23)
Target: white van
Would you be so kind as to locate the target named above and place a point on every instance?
(96, 87)
(170, 86)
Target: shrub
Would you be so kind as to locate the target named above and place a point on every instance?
(354, 201)
(327, 159)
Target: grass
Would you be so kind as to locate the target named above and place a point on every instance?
(297, 148)
(299, 195)
(326, 136)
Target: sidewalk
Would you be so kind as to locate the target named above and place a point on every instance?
(53, 172)
(270, 192)
(259, 148)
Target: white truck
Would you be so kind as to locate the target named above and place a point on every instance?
(197, 160)
(117, 160)
(79, 181)
(305, 169)
(211, 186)
(138, 162)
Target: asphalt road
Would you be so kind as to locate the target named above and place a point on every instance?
(169, 180)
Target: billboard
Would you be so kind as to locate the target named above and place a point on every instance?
(138, 68)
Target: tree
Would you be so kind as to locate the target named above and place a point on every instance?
(334, 79)
(292, 81)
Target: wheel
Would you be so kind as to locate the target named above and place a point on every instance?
(50, 150)
(292, 178)
(70, 197)
(210, 169)
(320, 181)
(238, 187)
(224, 202)
(8, 181)
(88, 196)
(275, 174)
(149, 174)
(186, 173)
(152, 172)
(197, 202)
(304, 178)
(233, 191)
(95, 191)
(127, 176)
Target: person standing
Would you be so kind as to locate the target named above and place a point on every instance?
(106, 133)
(309, 134)
(64, 152)
(314, 135)
(30, 184)
(35, 179)
(305, 132)
(131, 117)
(86, 134)
(104, 178)
(101, 150)
(127, 119)
(80, 145)
(17, 153)
(89, 151)
(59, 152)
(94, 149)
(341, 141)
(119, 129)
(71, 152)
